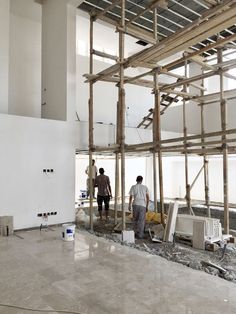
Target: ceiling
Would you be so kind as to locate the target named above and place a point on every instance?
(176, 16)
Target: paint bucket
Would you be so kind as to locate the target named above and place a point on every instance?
(68, 233)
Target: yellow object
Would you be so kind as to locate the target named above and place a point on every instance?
(152, 217)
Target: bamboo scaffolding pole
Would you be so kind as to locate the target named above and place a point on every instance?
(155, 139)
(117, 165)
(157, 143)
(117, 186)
(91, 141)
(187, 186)
(155, 24)
(104, 55)
(138, 76)
(224, 146)
(122, 112)
(205, 159)
(195, 179)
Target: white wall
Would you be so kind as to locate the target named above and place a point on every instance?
(25, 59)
(4, 54)
(28, 146)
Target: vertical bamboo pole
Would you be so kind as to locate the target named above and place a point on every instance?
(122, 111)
(224, 146)
(187, 185)
(155, 24)
(154, 125)
(154, 135)
(158, 140)
(205, 159)
(91, 143)
(117, 168)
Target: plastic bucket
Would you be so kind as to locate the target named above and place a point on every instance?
(68, 233)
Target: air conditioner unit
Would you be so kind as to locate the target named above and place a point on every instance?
(213, 229)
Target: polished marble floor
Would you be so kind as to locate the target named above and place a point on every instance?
(94, 276)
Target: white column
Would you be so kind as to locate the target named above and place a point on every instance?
(4, 54)
(58, 60)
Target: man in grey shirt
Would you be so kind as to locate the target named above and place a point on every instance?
(140, 196)
(102, 182)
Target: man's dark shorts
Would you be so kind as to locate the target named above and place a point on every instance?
(101, 199)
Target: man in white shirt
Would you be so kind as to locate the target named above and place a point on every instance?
(94, 175)
(140, 196)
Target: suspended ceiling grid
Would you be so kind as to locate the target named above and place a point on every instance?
(178, 14)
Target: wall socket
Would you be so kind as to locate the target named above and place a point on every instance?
(48, 170)
(46, 214)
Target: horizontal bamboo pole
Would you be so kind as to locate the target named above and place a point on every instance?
(214, 96)
(198, 77)
(148, 145)
(104, 55)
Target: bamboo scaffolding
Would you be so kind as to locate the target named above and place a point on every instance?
(212, 21)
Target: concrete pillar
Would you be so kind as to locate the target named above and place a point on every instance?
(4, 54)
(58, 59)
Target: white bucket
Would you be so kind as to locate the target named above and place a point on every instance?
(68, 233)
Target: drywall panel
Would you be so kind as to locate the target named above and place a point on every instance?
(28, 146)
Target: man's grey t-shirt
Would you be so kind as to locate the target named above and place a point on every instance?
(139, 191)
(102, 183)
